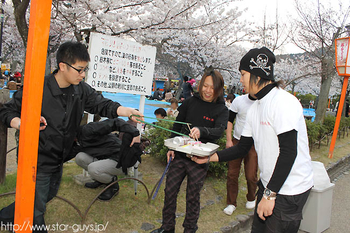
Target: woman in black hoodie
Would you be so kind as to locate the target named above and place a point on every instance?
(208, 115)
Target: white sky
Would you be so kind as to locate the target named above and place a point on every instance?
(258, 8)
(286, 10)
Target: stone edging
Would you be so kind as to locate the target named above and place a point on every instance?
(336, 169)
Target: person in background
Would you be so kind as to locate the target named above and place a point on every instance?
(192, 82)
(238, 110)
(17, 76)
(160, 113)
(2, 80)
(157, 95)
(12, 78)
(99, 152)
(65, 98)
(187, 89)
(229, 98)
(347, 108)
(207, 114)
(172, 111)
(275, 124)
(168, 95)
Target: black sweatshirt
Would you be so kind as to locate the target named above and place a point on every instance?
(288, 151)
(209, 117)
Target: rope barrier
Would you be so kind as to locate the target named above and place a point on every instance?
(160, 119)
(160, 127)
(161, 179)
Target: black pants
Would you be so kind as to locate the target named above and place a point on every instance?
(179, 168)
(46, 188)
(286, 216)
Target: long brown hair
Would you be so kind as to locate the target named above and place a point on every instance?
(218, 82)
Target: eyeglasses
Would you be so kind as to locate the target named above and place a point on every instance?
(80, 71)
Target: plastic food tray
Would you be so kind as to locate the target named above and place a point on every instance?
(202, 150)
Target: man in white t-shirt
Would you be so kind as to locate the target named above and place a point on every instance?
(238, 111)
(276, 126)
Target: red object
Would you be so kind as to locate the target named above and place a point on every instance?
(17, 75)
(191, 81)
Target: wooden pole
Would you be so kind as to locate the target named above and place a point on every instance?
(38, 36)
(339, 112)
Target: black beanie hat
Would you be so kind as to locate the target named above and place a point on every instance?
(259, 61)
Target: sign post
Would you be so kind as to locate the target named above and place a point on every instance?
(342, 63)
(119, 65)
(123, 66)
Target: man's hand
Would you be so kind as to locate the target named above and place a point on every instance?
(229, 143)
(136, 116)
(133, 114)
(265, 208)
(43, 123)
(16, 123)
(135, 140)
(171, 154)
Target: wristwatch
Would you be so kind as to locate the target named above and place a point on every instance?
(269, 195)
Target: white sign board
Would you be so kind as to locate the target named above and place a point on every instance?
(119, 65)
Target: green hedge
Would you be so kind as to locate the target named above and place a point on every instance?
(317, 131)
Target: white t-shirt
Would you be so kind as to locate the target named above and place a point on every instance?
(172, 112)
(276, 113)
(240, 105)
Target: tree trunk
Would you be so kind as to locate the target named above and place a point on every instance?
(20, 9)
(324, 92)
(179, 88)
(48, 62)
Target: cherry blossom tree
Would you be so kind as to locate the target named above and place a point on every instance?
(315, 31)
(12, 44)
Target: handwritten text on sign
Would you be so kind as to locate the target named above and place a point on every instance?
(119, 65)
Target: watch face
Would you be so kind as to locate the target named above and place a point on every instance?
(267, 192)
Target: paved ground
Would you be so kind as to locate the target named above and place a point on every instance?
(340, 220)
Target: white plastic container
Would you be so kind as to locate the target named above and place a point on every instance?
(318, 208)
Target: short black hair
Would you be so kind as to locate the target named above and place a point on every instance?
(71, 52)
(185, 78)
(160, 111)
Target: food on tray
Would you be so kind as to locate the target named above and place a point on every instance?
(190, 146)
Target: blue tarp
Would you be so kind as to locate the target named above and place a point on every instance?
(309, 112)
(133, 101)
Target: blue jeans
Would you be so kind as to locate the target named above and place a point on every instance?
(46, 188)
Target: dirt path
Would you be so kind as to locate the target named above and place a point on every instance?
(11, 164)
